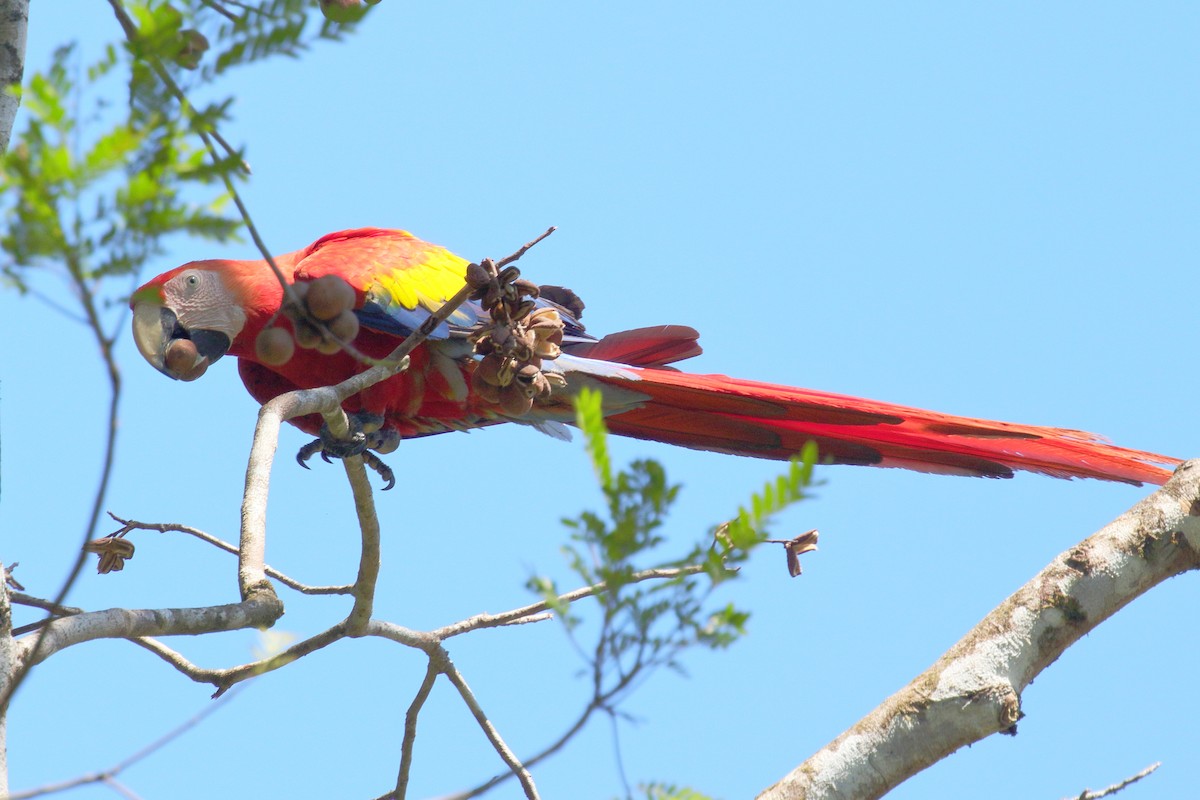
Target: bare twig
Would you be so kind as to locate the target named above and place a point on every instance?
(536, 611)
(86, 298)
(410, 729)
(172, 527)
(1088, 794)
(108, 776)
(514, 764)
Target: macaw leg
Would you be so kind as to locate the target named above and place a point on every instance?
(366, 433)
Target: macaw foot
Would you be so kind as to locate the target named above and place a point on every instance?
(366, 434)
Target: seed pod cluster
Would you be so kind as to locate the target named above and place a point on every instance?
(514, 346)
(328, 299)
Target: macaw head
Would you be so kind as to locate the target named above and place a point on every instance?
(187, 318)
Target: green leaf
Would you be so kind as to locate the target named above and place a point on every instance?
(589, 416)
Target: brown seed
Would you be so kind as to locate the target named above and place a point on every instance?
(344, 326)
(274, 346)
(181, 357)
(196, 371)
(477, 276)
(329, 296)
(307, 336)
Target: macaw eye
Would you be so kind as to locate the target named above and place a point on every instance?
(191, 282)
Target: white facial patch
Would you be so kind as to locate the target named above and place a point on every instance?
(201, 302)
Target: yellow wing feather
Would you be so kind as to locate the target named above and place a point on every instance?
(393, 269)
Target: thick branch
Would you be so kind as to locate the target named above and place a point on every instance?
(8, 670)
(14, 19)
(368, 562)
(118, 623)
(974, 690)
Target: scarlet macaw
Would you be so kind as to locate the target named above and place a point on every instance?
(217, 307)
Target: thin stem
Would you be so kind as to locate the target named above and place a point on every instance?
(489, 730)
(519, 614)
(221, 544)
(410, 730)
(109, 775)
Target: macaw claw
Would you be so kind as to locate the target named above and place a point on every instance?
(366, 434)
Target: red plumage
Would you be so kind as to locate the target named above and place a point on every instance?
(398, 281)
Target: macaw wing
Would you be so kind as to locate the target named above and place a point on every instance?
(400, 280)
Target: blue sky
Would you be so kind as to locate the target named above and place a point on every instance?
(986, 211)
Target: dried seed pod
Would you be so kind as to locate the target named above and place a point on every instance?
(524, 309)
(547, 350)
(491, 297)
(487, 391)
(488, 370)
(524, 287)
(514, 400)
(522, 347)
(274, 346)
(500, 334)
(307, 336)
(345, 326)
(544, 318)
(477, 276)
(329, 296)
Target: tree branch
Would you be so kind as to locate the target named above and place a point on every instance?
(410, 729)
(1088, 794)
(173, 527)
(368, 562)
(974, 690)
(257, 611)
(8, 670)
(489, 730)
(14, 20)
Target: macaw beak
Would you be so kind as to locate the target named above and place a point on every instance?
(171, 348)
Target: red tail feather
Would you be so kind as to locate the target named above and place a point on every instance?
(715, 412)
